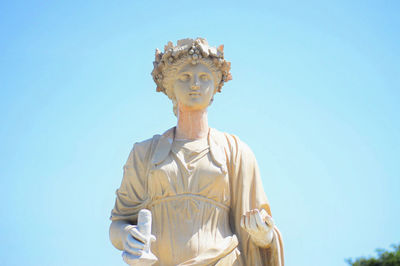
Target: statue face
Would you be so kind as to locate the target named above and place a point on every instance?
(194, 86)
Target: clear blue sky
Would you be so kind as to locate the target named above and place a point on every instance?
(315, 93)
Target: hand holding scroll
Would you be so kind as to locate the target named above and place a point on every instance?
(137, 241)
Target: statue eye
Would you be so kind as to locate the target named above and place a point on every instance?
(184, 77)
(204, 77)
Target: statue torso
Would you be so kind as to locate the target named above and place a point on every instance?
(189, 199)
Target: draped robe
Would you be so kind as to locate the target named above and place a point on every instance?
(197, 205)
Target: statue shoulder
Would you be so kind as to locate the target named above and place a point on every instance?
(144, 145)
(143, 150)
(232, 144)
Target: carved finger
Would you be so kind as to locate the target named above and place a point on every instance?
(260, 223)
(128, 257)
(131, 250)
(267, 218)
(263, 213)
(270, 222)
(247, 221)
(136, 234)
(252, 221)
(134, 243)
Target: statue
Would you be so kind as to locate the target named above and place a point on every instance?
(202, 186)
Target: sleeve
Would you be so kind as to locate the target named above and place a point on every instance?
(247, 193)
(132, 195)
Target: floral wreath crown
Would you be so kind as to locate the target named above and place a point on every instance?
(193, 51)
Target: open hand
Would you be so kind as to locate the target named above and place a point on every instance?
(259, 225)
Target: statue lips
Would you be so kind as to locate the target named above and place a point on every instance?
(195, 94)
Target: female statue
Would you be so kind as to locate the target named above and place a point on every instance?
(202, 186)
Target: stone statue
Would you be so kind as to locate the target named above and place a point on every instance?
(202, 186)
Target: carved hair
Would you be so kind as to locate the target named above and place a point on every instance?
(167, 64)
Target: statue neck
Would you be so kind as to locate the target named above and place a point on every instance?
(192, 124)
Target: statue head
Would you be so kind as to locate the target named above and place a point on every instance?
(194, 60)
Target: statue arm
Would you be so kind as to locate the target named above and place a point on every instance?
(247, 195)
(131, 196)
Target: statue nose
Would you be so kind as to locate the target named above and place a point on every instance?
(196, 83)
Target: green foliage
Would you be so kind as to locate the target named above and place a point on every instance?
(385, 258)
